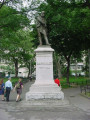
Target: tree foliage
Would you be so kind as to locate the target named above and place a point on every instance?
(68, 27)
(15, 37)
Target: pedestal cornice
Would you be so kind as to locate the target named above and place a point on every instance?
(44, 48)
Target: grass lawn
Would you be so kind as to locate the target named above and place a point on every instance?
(87, 94)
(73, 81)
(13, 80)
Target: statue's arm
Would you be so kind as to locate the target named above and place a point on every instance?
(41, 21)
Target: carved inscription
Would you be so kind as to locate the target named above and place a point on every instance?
(44, 60)
(44, 63)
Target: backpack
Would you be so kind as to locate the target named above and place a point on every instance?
(0, 86)
(18, 86)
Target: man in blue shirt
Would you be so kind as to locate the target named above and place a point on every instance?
(8, 87)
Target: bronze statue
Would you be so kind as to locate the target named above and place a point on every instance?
(42, 28)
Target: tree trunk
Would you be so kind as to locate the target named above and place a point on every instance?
(76, 68)
(87, 3)
(16, 67)
(89, 61)
(28, 69)
(68, 67)
(59, 67)
(68, 64)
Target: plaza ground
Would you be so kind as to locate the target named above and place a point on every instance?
(77, 109)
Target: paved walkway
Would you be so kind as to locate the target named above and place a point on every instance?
(78, 109)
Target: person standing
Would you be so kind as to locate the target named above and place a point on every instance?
(2, 85)
(57, 81)
(8, 88)
(18, 88)
(30, 77)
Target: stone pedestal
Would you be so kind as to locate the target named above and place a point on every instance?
(44, 86)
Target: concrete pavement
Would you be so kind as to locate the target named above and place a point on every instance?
(77, 109)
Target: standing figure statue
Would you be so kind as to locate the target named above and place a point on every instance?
(42, 28)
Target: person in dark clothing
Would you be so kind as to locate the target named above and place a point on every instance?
(30, 78)
(2, 85)
(8, 88)
(18, 88)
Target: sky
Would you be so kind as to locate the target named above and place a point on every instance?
(26, 4)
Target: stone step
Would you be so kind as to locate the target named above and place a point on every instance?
(45, 103)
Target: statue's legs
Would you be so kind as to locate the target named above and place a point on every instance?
(45, 36)
(40, 40)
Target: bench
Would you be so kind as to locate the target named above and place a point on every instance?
(83, 88)
(88, 85)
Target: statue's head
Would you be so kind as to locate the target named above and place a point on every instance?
(43, 13)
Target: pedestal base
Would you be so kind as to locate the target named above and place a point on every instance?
(44, 86)
(45, 103)
(50, 91)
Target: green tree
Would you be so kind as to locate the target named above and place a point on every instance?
(68, 27)
(20, 49)
(12, 38)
